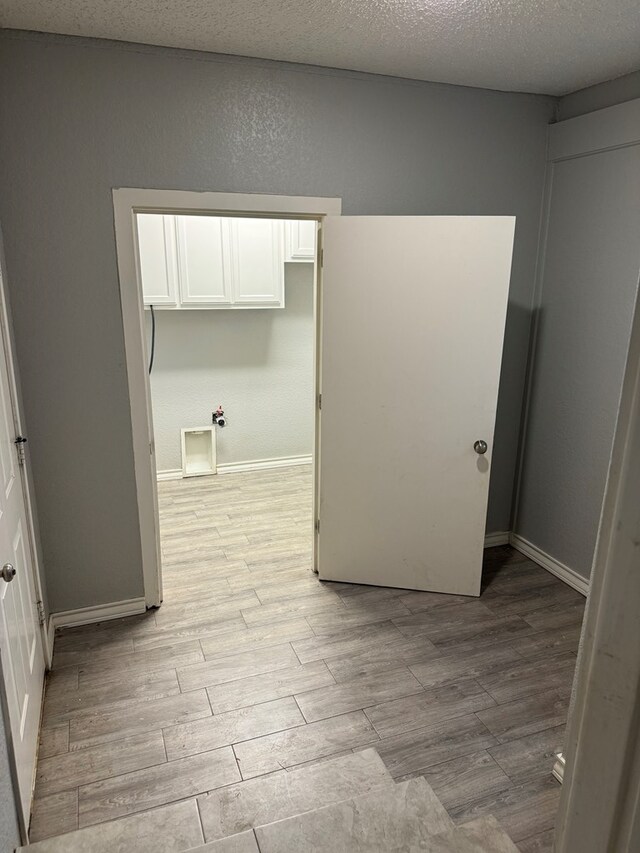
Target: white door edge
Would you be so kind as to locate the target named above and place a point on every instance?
(7, 343)
(22, 721)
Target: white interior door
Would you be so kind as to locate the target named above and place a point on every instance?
(20, 638)
(413, 314)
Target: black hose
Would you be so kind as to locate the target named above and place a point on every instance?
(153, 339)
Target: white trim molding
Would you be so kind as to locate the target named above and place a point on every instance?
(169, 474)
(558, 767)
(569, 576)
(491, 540)
(51, 636)
(216, 203)
(263, 464)
(98, 613)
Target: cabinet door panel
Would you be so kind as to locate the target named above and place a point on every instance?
(202, 255)
(257, 262)
(301, 241)
(157, 259)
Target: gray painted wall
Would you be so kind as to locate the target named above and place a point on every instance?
(258, 364)
(81, 117)
(590, 284)
(598, 97)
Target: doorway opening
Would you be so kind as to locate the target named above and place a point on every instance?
(239, 218)
(231, 329)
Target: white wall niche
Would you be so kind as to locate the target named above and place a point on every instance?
(198, 451)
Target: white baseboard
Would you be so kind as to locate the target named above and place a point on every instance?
(569, 576)
(558, 767)
(493, 539)
(262, 464)
(250, 465)
(99, 613)
(170, 474)
(51, 635)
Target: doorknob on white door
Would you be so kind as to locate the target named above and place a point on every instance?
(8, 572)
(480, 447)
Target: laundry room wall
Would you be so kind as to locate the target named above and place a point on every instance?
(257, 364)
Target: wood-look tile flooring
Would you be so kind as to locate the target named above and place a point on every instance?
(252, 665)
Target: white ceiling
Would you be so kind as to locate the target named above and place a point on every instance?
(547, 46)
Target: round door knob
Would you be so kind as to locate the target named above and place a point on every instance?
(8, 572)
(480, 447)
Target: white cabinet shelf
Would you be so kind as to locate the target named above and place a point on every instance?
(190, 262)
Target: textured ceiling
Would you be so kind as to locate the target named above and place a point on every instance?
(548, 46)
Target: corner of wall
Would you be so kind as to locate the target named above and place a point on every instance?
(601, 95)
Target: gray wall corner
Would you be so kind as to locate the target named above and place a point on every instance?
(607, 94)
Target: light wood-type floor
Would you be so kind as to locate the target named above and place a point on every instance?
(252, 665)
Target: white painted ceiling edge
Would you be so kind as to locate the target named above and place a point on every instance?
(540, 46)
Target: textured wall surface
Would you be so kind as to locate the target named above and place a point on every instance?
(82, 117)
(258, 364)
(515, 45)
(589, 290)
(598, 97)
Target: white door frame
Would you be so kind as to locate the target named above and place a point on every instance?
(126, 203)
(6, 341)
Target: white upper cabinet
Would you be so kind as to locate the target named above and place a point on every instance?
(189, 262)
(203, 259)
(157, 259)
(301, 240)
(257, 262)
